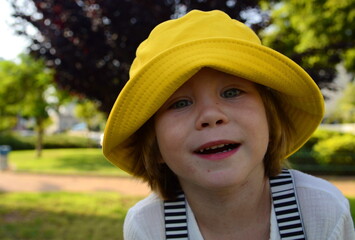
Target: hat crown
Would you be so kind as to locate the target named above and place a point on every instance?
(194, 26)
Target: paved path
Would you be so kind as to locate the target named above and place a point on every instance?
(345, 184)
(25, 182)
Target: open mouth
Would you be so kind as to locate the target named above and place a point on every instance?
(221, 148)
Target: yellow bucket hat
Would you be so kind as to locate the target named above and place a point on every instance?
(177, 49)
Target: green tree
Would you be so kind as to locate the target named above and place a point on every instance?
(318, 34)
(10, 95)
(345, 110)
(87, 110)
(27, 91)
(36, 79)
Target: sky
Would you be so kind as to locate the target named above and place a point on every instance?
(10, 44)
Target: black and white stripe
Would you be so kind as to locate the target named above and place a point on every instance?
(176, 219)
(286, 207)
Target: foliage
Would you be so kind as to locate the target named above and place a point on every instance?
(345, 111)
(317, 34)
(320, 135)
(24, 85)
(18, 142)
(88, 161)
(88, 111)
(326, 152)
(91, 43)
(58, 216)
(336, 150)
(10, 95)
(305, 156)
(26, 92)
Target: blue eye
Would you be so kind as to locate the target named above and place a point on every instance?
(231, 93)
(181, 104)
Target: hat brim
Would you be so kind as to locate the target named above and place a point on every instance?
(149, 88)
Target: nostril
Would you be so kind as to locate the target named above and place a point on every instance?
(206, 124)
(219, 122)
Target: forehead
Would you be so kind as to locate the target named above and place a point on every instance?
(208, 76)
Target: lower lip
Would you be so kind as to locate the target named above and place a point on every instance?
(218, 156)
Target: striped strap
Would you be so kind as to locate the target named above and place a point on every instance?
(176, 219)
(285, 204)
(286, 207)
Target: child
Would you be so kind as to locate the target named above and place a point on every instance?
(207, 118)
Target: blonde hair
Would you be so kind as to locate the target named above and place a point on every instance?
(148, 164)
(281, 132)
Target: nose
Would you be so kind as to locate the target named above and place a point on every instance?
(210, 115)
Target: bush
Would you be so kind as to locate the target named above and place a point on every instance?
(67, 141)
(319, 135)
(305, 155)
(338, 150)
(326, 152)
(18, 142)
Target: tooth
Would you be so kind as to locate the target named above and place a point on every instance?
(215, 147)
(218, 146)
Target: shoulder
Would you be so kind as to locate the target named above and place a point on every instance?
(306, 184)
(145, 219)
(324, 209)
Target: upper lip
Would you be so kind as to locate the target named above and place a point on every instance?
(214, 144)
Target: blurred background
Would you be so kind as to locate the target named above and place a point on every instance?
(62, 65)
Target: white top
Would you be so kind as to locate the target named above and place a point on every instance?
(325, 213)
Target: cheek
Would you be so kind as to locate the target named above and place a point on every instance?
(257, 123)
(263, 123)
(263, 131)
(172, 137)
(168, 134)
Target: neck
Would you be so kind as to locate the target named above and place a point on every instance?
(240, 212)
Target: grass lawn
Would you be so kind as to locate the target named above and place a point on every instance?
(63, 216)
(352, 207)
(84, 161)
(66, 216)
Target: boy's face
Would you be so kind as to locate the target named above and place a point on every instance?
(213, 131)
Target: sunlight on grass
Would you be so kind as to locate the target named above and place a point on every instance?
(60, 215)
(57, 216)
(64, 161)
(352, 207)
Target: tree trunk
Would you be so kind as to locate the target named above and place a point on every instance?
(40, 133)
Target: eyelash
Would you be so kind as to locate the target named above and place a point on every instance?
(177, 104)
(235, 92)
(185, 102)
